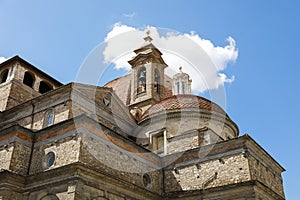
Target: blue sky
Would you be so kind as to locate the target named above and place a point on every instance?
(56, 36)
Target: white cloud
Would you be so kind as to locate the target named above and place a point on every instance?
(118, 29)
(2, 59)
(200, 58)
(129, 15)
(220, 56)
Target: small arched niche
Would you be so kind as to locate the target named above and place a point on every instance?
(28, 79)
(44, 87)
(3, 76)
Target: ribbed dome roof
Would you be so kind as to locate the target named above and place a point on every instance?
(183, 101)
(181, 74)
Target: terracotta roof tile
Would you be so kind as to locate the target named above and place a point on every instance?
(183, 101)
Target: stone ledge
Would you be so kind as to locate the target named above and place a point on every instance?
(242, 190)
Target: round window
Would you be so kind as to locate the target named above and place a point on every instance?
(49, 160)
(147, 180)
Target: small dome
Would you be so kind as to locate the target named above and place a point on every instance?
(183, 101)
(181, 74)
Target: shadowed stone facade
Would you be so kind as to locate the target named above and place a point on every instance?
(78, 141)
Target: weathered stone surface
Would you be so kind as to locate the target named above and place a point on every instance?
(93, 148)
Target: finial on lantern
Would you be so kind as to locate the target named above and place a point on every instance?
(148, 32)
(148, 37)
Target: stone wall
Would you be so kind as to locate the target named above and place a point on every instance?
(84, 191)
(59, 190)
(90, 100)
(177, 127)
(32, 114)
(66, 151)
(9, 194)
(192, 139)
(266, 175)
(19, 93)
(11, 184)
(119, 163)
(15, 149)
(14, 91)
(61, 113)
(250, 190)
(22, 68)
(6, 155)
(4, 91)
(263, 193)
(20, 158)
(230, 170)
(121, 170)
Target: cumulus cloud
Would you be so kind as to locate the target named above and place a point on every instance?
(200, 58)
(2, 59)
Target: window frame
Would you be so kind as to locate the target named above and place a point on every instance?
(153, 141)
(48, 113)
(25, 81)
(141, 87)
(43, 87)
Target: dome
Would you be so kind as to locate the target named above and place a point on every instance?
(183, 101)
(181, 75)
(184, 113)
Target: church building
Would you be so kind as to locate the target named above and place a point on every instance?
(138, 137)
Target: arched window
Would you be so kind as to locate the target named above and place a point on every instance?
(156, 81)
(183, 87)
(141, 75)
(28, 79)
(44, 87)
(178, 88)
(49, 118)
(3, 76)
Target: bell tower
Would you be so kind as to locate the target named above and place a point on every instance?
(20, 81)
(147, 75)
